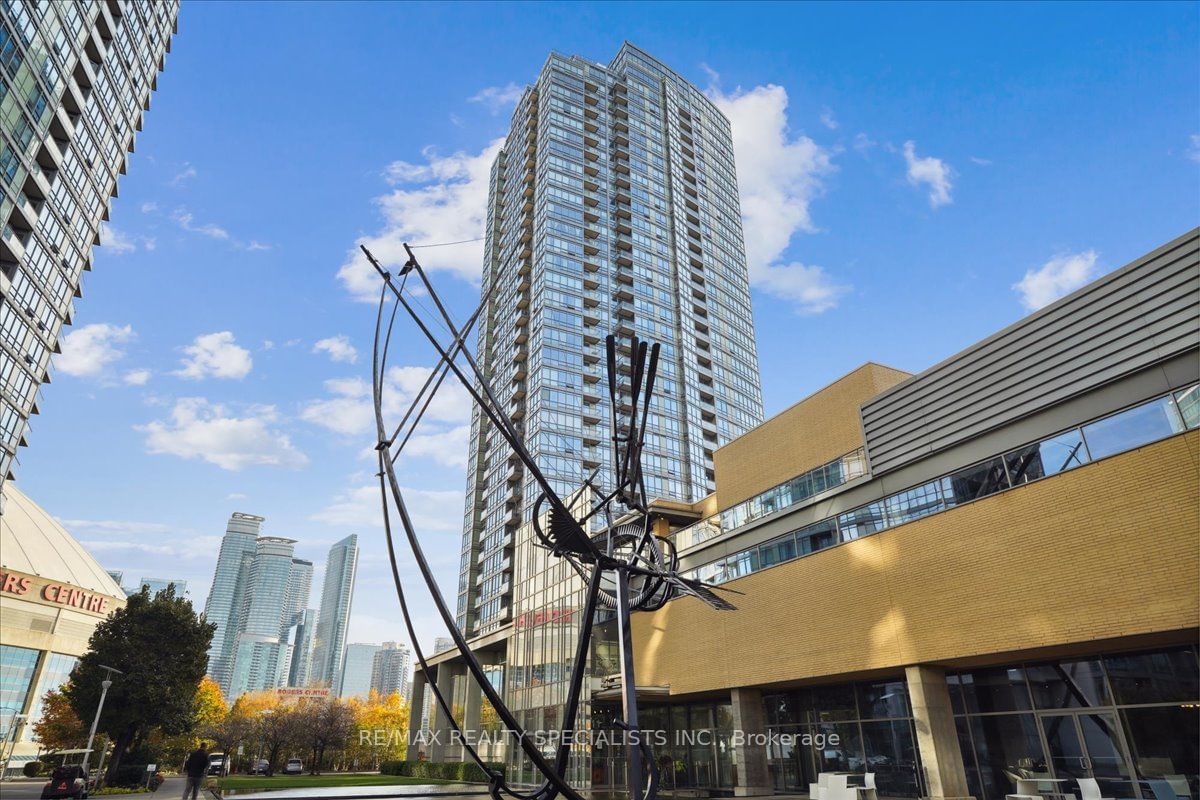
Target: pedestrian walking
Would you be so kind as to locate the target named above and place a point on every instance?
(195, 768)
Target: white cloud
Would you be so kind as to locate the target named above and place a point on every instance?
(235, 496)
(1059, 276)
(149, 206)
(444, 429)
(779, 176)
(1193, 151)
(810, 288)
(442, 200)
(186, 174)
(88, 351)
(828, 119)
(202, 430)
(116, 241)
(498, 98)
(255, 246)
(933, 172)
(215, 355)
(185, 219)
(338, 348)
(85, 527)
(862, 143)
(983, 162)
(136, 377)
(359, 507)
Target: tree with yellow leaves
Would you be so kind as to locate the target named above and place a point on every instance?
(380, 730)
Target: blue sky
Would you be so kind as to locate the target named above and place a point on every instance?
(914, 177)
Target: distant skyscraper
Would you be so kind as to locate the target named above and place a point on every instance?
(442, 643)
(389, 674)
(612, 208)
(224, 604)
(76, 78)
(337, 594)
(156, 585)
(261, 656)
(117, 575)
(299, 637)
(356, 670)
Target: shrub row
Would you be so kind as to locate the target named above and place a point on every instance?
(451, 771)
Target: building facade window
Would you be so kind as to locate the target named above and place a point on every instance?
(17, 667)
(851, 727)
(1127, 720)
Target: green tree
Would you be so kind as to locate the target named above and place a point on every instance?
(161, 646)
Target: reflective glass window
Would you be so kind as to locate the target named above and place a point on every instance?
(1006, 746)
(862, 521)
(817, 537)
(1164, 745)
(1135, 427)
(1068, 684)
(1162, 677)
(1188, 403)
(882, 699)
(777, 551)
(994, 689)
(17, 665)
(1049, 457)
(975, 482)
(913, 504)
(891, 753)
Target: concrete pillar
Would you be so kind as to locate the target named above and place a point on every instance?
(749, 724)
(937, 738)
(439, 724)
(415, 705)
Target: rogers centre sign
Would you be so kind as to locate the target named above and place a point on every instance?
(301, 691)
(59, 594)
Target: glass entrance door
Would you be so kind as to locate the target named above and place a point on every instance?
(1087, 744)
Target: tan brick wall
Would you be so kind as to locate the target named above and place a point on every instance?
(1106, 550)
(814, 431)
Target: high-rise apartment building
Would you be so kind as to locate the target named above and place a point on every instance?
(612, 208)
(389, 673)
(358, 664)
(224, 604)
(299, 637)
(337, 594)
(260, 659)
(257, 601)
(76, 77)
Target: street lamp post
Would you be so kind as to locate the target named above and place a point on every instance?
(104, 684)
(10, 741)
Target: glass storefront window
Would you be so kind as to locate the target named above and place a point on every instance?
(1068, 684)
(891, 754)
(1148, 422)
(17, 665)
(1164, 744)
(54, 675)
(883, 700)
(984, 691)
(1162, 677)
(1007, 747)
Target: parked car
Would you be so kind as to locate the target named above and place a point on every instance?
(65, 782)
(294, 766)
(260, 767)
(218, 764)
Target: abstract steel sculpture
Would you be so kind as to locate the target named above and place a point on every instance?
(625, 566)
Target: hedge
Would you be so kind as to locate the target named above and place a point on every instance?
(468, 772)
(32, 769)
(129, 775)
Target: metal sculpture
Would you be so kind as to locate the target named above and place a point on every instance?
(625, 566)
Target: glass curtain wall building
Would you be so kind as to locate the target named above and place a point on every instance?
(389, 673)
(76, 78)
(224, 604)
(261, 658)
(612, 208)
(337, 594)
